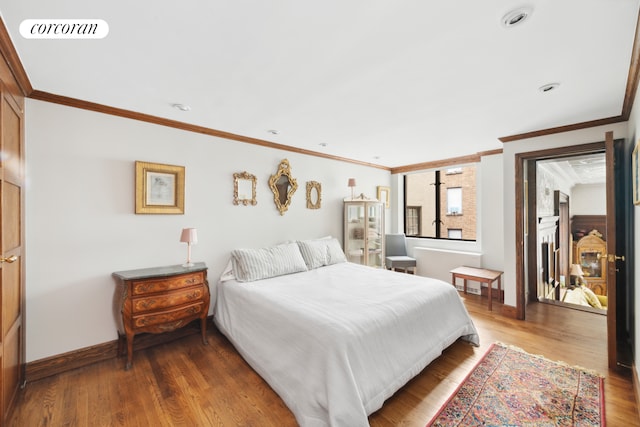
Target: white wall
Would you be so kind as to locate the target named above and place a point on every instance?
(588, 199)
(634, 123)
(492, 212)
(80, 217)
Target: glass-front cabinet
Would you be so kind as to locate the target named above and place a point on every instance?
(364, 231)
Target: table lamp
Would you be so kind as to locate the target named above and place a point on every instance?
(575, 274)
(352, 184)
(189, 236)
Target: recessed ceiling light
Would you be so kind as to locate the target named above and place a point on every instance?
(273, 131)
(181, 107)
(549, 87)
(516, 17)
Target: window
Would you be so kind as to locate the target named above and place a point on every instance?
(454, 233)
(454, 201)
(412, 221)
(441, 204)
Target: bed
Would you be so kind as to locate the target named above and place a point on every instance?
(334, 339)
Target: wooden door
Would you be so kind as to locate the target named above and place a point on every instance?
(617, 201)
(11, 258)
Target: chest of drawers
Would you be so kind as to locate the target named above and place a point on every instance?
(160, 299)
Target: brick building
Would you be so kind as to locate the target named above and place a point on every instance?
(456, 214)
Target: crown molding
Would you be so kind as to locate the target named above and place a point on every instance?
(129, 114)
(561, 129)
(473, 158)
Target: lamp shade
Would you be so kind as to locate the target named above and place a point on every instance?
(576, 270)
(189, 235)
(352, 182)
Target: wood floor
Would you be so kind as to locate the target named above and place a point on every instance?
(184, 383)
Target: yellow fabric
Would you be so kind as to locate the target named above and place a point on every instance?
(592, 299)
(603, 300)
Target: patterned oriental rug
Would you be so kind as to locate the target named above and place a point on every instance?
(510, 387)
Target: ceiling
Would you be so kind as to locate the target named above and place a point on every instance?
(579, 169)
(380, 82)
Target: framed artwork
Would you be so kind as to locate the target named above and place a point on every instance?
(159, 188)
(314, 195)
(244, 189)
(634, 175)
(383, 195)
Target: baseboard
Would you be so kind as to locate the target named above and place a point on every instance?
(57, 364)
(636, 387)
(483, 292)
(60, 363)
(509, 311)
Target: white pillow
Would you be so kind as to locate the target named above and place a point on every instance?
(263, 263)
(314, 253)
(336, 254)
(321, 252)
(227, 273)
(576, 296)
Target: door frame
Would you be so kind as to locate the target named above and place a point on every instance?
(524, 221)
(526, 230)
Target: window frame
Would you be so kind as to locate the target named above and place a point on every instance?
(418, 214)
(449, 212)
(442, 170)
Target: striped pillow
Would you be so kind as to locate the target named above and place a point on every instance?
(263, 263)
(321, 252)
(314, 252)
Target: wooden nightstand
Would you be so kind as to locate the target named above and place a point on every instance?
(160, 299)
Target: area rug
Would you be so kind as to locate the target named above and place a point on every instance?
(510, 387)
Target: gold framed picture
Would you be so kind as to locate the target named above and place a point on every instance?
(159, 188)
(314, 195)
(383, 195)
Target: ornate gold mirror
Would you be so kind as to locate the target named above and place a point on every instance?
(244, 189)
(314, 195)
(283, 186)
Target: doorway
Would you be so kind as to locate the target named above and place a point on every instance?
(570, 213)
(619, 244)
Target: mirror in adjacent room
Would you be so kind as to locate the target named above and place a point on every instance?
(283, 186)
(244, 189)
(314, 195)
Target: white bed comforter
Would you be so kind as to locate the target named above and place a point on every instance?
(337, 341)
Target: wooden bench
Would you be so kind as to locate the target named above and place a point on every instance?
(481, 275)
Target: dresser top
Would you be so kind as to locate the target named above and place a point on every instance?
(169, 270)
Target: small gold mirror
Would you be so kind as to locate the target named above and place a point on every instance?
(244, 189)
(383, 195)
(283, 186)
(314, 195)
